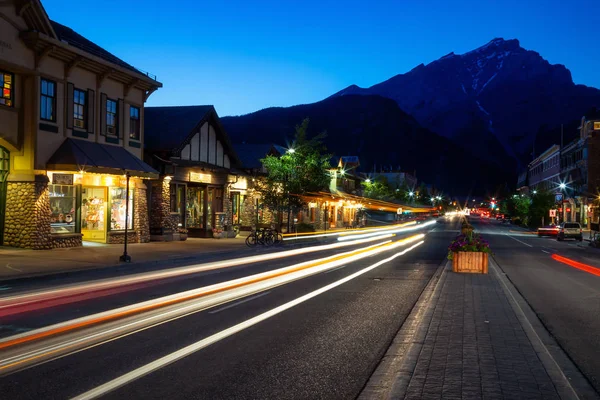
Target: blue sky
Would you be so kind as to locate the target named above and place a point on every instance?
(243, 56)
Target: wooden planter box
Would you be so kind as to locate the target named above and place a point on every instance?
(470, 262)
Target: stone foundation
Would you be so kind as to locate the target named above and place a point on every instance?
(161, 222)
(118, 237)
(141, 221)
(66, 240)
(27, 220)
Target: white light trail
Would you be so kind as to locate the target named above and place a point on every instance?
(188, 350)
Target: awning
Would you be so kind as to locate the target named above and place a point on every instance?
(81, 155)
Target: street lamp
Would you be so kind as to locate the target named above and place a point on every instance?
(291, 151)
(411, 194)
(368, 180)
(535, 192)
(126, 257)
(562, 186)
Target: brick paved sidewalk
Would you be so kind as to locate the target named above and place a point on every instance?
(463, 340)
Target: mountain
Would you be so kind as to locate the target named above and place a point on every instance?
(498, 93)
(379, 132)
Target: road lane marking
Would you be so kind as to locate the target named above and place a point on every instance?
(518, 240)
(188, 350)
(237, 303)
(575, 264)
(13, 268)
(335, 269)
(547, 252)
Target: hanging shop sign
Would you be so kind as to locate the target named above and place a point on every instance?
(62, 179)
(399, 211)
(553, 213)
(199, 177)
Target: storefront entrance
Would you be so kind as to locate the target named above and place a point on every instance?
(4, 170)
(93, 213)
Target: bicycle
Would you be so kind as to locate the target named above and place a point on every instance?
(263, 236)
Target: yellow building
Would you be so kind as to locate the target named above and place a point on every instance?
(71, 128)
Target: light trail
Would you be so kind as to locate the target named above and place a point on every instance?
(188, 350)
(171, 307)
(67, 294)
(311, 235)
(575, 264)
(393, 231)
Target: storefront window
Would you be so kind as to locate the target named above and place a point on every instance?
(209, 209)
(93, 201)
(118, 197)
(195, 207)
(235, 208)
(62, 206)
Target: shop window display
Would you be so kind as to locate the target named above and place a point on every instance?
(195, 207)
(62, 206)
(118, 209)
(92, 209)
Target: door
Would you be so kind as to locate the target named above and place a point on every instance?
(4, 170)
(93, 213)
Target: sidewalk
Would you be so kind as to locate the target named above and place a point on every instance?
(17, 263)
(466, 340)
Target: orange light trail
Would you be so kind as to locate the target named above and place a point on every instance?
(575, 264)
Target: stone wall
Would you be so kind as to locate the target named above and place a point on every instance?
(27, 220)
(68, 240)
(140, 220)
(160, 209)
(118, 237)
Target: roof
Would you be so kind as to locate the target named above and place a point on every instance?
(77, 155)
(68, 35)
(166, 128)
(251, 154)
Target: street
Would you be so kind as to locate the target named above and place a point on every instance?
(566, 299)
(324, 347)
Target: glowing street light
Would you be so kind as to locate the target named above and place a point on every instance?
(411, 194)
(291, 151)
(535, 192)
(368, 180)
(562, 186)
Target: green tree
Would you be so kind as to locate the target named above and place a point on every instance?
(302, 169)
(377, 188)
(541, 203)
(517, 206)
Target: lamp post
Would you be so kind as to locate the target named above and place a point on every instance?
(126, 257)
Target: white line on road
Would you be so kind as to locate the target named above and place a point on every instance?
(518, 240)
(13, 268)
(238, 302)
(335, 269)
(547, 252)
(191, 349)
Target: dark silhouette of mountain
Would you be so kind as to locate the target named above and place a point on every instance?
(499, 90)
(380, 133)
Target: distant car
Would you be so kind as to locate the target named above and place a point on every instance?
(548, 230)
(499, 217)
(570, 230)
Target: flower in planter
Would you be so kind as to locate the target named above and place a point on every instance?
(217, 230)
(469, 242)
(182, 230)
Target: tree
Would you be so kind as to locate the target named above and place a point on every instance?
(302, 169)
(377, 188)
(541, 203)
(517, 206)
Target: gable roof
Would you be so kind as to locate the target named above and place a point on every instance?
(72, 38)
(251, 154)
(169, 128)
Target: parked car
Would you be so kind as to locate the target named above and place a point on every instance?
(421, 218)
(548, 230)
(570, 230)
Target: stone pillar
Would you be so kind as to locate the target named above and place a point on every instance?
(227, 206)
(141, 221)
(161, 223)
(27, 221)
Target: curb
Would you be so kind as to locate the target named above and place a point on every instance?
(570, 383)
(394, 372)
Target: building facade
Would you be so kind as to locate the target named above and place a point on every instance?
(201, 188)
(71, 128)
(544, 171)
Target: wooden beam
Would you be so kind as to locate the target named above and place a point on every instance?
(101, 77)
(40, 55)
(149, 92)
(23, 7)
(69, 67)
(129, 86)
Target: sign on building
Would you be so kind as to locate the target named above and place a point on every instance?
(559, 197)
(552, 213)
(399, 211)
(198, 177)
(62, 179)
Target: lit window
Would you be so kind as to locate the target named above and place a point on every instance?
(79, 108)
(118, 208)
(48, 100)
(6, 85)
(134, 123)
(111, 117)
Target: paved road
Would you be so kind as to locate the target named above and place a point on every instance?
(566, 299)
(325, 347)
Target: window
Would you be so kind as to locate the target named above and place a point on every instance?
(62, 208)
(118, 208)
(134, 123)
(48, 100)
(79, 108)
(111, 117)
(6, 85)
(195, 207)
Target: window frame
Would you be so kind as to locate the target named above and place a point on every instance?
(83, 106)
(115, 118)
(134, 135)
(46, 96)
(11, 89)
